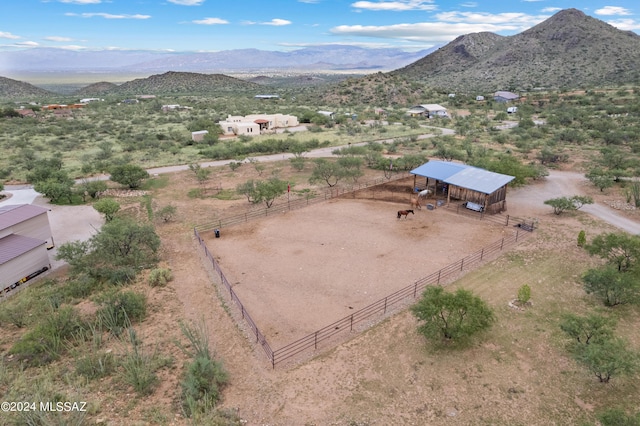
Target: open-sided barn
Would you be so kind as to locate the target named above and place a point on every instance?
(466, 183)
(25, 235)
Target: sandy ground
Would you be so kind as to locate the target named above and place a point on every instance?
(300, 271)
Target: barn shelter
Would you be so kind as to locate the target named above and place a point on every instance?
(466, 183)
(25, 235)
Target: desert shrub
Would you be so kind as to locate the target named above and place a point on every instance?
(582, 238)
(524, 294)
(121, 309)
(201, 386)
(95, 365)
(139, 367)
(14, 312)
(204, 377)
(159, 277)
(618, 417)
(47, 340)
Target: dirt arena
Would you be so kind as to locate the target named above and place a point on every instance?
(304, 269)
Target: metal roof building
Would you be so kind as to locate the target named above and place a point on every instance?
(25, 235)
(467, 183)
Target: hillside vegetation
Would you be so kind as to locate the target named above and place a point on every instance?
(568, 50)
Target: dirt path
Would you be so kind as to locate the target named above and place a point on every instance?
(566, 184)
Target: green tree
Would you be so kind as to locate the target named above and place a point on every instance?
(93, 187)
(584, 330)
(563, 204)
(326, 171)
(248, 189)
(55, 190)
(268, 191)
(612, 286)
(608, 358)
(201, 173)
(619, 249)
(116, 253)
(129, 175)
(108, 207)
(351, 167)
(601, 179)
(451, 316)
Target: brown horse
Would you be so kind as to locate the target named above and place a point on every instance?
(416, 204)
(404, 213)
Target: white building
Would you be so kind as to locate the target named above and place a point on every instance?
(199, 135)
(428, 110)
(256, 124)
(25, 236)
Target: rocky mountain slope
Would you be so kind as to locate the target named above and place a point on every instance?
(568, 50)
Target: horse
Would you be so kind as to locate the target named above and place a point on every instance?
(424, 193)
(416, 204)
(404, 213)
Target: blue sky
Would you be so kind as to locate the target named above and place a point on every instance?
(214, 25)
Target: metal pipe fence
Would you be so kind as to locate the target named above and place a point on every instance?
(312, 341)
(284, 206)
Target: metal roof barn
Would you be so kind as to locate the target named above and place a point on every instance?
(466, 183)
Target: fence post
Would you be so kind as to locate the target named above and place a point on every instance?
(517, 233)
(415, 290)
(351, 326)
(439, 276)
(507, 224)
(385, 306)
(501, 244)
(315, 340)
(461, 264)
(481, 253)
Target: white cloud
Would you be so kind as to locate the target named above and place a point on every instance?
(58, 39)
(397, 6)
(309, 1)
(8, 35)
(108, 16)
(81, 1)
(469, 4)
(187, 2)
(71, 47)
(277, 22)
(551, 9)
(28, 44)
(210, 21)
(612, 10)
(427, 32)
(510, 19)
(625, 24)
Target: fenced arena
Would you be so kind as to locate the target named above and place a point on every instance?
(306, 278)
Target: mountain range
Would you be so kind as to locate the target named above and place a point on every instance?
(322, 58)
(568, 50)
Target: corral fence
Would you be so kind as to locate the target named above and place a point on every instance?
(376, 310)
(298, 203)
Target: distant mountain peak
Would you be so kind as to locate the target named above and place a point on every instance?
(570, 49)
